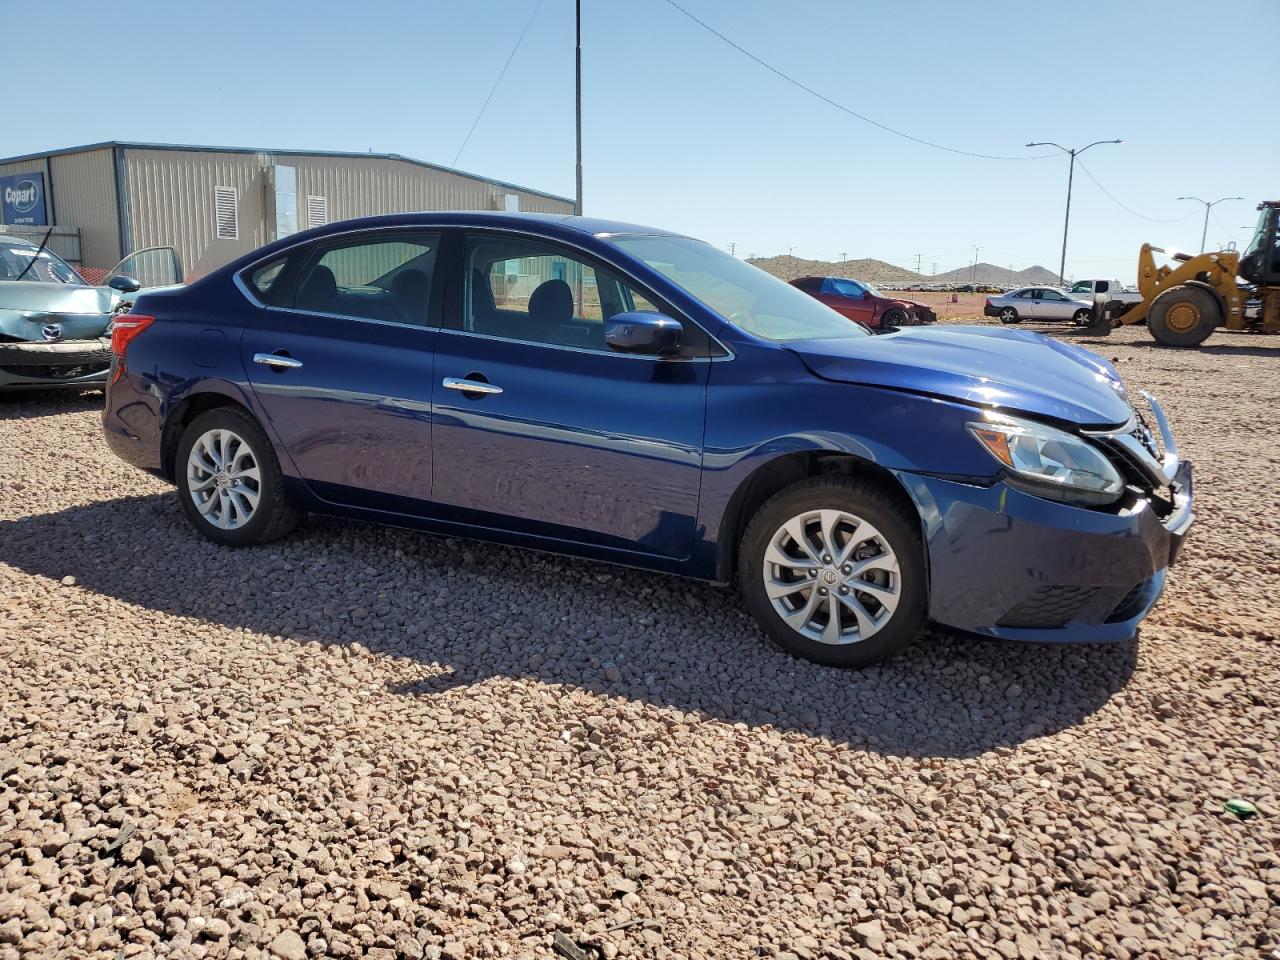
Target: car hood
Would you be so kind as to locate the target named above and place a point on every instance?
(1015, 371)
(56, 297)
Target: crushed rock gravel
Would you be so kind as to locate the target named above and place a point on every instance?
(370, 742)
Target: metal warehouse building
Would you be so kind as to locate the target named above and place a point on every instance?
(213, 204)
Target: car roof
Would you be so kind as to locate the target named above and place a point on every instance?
(591, 226)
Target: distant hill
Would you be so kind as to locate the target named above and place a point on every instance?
(879, 272)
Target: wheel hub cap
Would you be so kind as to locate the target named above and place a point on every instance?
(223, 479)
(1182, 317)
(832, 577)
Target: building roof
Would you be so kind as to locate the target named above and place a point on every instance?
(288, 152)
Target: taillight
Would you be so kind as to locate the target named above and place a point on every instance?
(126, 327)
(989, 301)
(123, 330)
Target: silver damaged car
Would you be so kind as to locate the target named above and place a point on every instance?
(55, 327)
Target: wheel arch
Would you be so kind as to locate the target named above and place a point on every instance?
(185, 411)
(781, 472)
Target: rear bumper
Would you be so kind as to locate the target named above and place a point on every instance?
(59, 363)
(990, 311)
(1006, 564)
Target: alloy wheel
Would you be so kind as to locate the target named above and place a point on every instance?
(224, 479)
(832, 577)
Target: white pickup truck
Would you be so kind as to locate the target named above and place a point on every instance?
(1115, 291)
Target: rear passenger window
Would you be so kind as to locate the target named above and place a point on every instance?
(375, 278)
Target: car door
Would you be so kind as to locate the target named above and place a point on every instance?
(539, 427)
(850, 299)
(1054, 305)
(339, 355)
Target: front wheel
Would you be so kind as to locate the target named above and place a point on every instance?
(833, 570)
(1183, 316)
(229, 480)
(1082, 318)
(892, 319)
(1009, 315)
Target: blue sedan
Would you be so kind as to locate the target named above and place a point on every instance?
(634, 396)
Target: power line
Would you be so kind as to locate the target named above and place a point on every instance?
(839, 106)
(1111, 197)
(494, 89)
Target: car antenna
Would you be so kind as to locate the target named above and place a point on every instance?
(36, 256)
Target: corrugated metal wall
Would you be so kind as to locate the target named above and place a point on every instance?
(170, 196)
(170, 203)
(84, 195)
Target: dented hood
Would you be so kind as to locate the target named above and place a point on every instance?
(1014, 371)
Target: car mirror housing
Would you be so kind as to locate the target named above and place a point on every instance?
(639, 331)
(124, 284)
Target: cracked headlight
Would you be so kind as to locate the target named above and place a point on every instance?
(1048, 462)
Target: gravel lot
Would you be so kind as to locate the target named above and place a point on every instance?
(372, 742)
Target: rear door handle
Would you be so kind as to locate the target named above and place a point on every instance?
(277, 362)
(470, 386)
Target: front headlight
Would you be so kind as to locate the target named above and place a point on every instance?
(1052, 463)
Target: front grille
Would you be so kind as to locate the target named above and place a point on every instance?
(1048, 608)
(1131, 603)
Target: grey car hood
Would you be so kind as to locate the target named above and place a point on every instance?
(79, 311)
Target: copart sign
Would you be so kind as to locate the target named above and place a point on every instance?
(22, 199)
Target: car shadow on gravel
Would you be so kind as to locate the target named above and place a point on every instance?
(30, 404)
(476, 612)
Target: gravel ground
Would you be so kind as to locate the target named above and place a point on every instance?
(371, 742)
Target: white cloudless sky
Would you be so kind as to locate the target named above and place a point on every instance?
(681, 131)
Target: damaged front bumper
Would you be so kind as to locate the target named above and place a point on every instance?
(58, 363)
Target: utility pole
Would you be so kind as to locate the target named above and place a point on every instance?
(577, 102)
(973, 274)
(935, 270)
(1207, 207)
(789, 249)
(1071, 169)
(732, 247)
(918, 258)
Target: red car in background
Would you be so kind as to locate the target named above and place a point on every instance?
(865, 304)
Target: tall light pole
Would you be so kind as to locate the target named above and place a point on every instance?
(1207, 207)
(577, 102)
(1071, 170)
(973, 273)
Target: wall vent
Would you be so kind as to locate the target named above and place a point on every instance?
(226, 213)
(317, 211)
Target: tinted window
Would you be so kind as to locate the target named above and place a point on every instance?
(378, 277)
(525, 290)
(809, 284)
(846, 288)
(268, 282)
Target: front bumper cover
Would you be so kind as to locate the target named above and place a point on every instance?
(1008, 564)
(54, 363)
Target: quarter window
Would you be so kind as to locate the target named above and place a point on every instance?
(376, 278)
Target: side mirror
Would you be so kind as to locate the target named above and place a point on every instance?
(638, 331)
(124, 284)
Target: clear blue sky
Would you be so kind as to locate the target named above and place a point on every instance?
(683, 132)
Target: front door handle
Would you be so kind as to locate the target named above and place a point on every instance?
(276, 361)
(470, 386)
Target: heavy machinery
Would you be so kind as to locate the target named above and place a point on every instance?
(1182, 304)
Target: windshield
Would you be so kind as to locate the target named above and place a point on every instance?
(15, 258)
(740, 293)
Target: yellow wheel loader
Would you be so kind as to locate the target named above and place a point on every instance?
(1183, 304)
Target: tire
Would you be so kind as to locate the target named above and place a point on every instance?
(892, 319)
(1009, 315)
(227, 521)
(1082, 318)
(899, 577)
(1183, 316)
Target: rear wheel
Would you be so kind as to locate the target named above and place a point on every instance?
(833, 570)
(1009, 315)
(1183, 316)
(229, 480)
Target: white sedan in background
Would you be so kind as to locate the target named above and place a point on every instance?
(1046, 304)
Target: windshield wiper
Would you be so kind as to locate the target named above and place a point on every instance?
(36, 257)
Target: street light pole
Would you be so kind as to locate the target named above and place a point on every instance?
(577, 70)
(973, 273)
(1071, 170)
(1204, 234)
